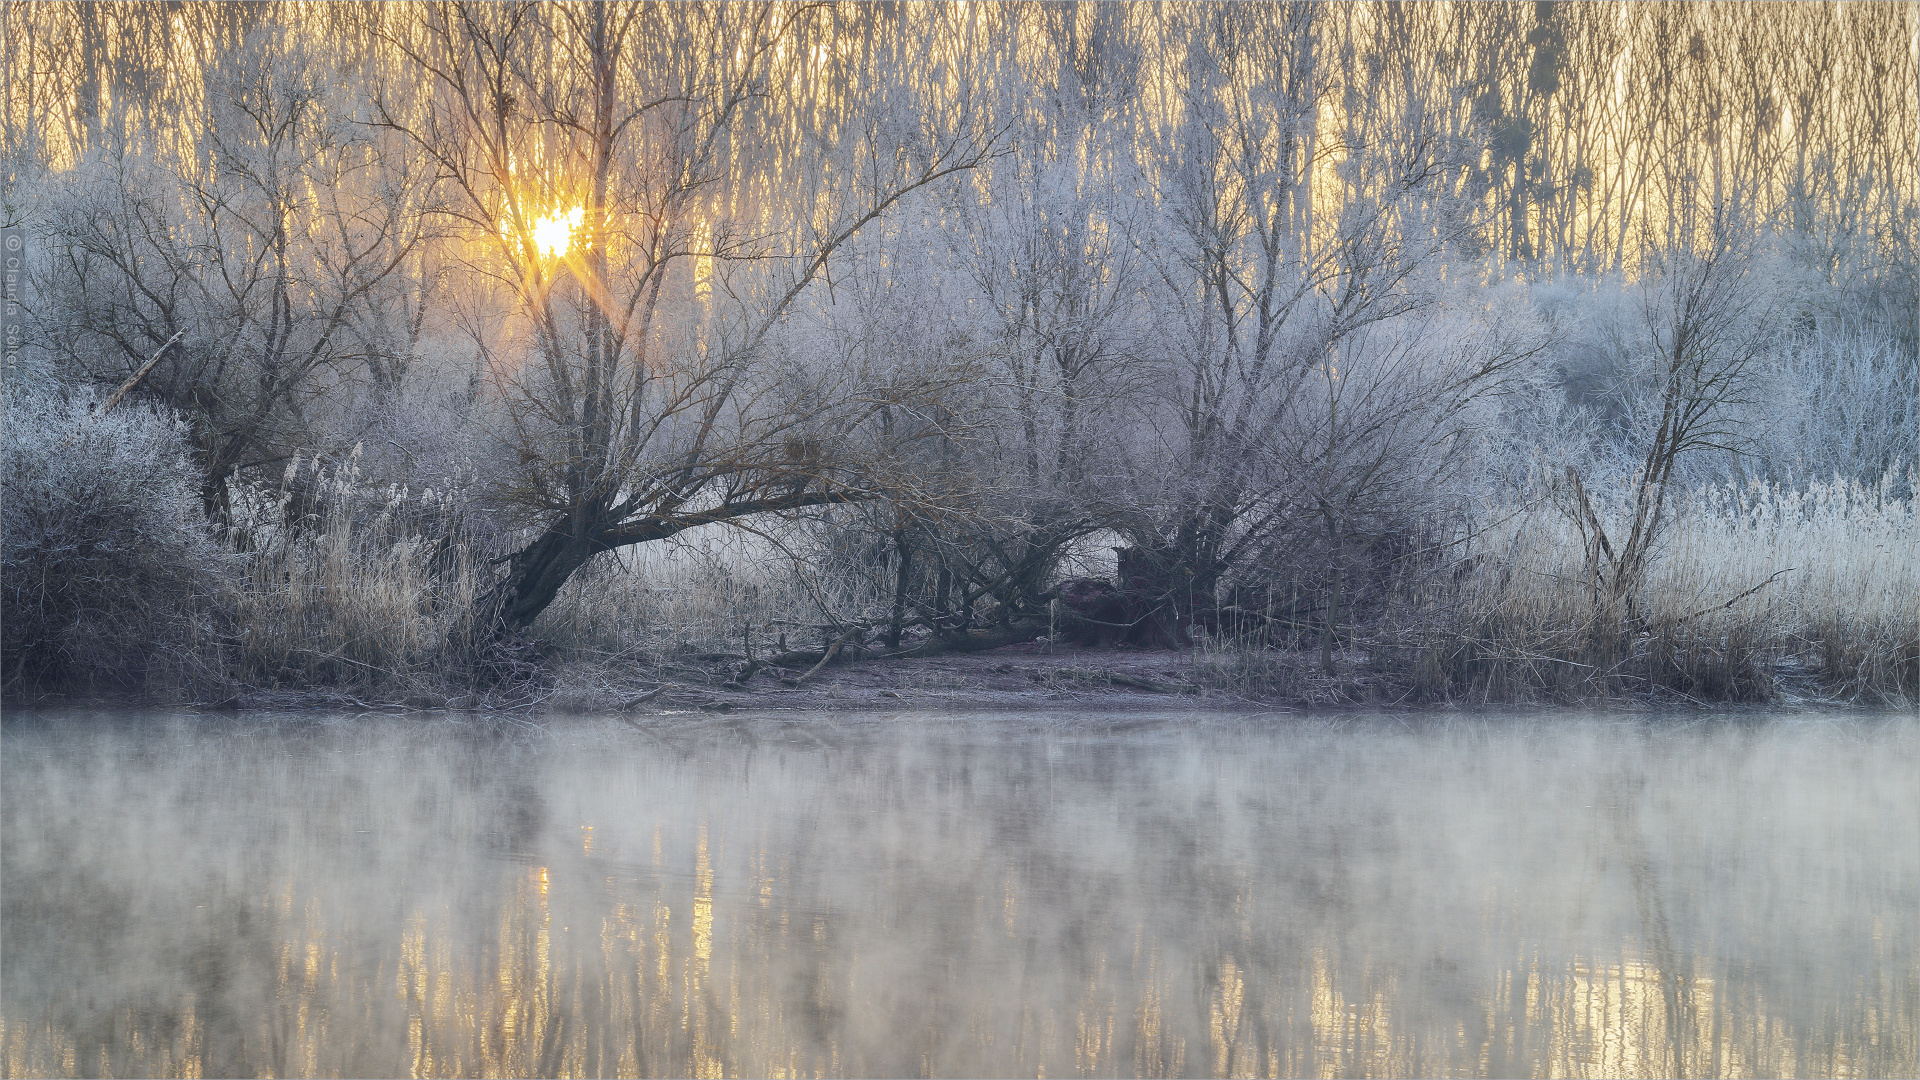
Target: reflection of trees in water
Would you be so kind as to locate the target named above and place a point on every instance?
(388, 899)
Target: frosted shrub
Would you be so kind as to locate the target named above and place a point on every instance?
(1841, 405)
(109, 572)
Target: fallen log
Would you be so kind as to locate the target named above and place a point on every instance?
(825, 659)
(806, 658)
(643, 698)
(845, 651)
(1115, 678)
(971, 643)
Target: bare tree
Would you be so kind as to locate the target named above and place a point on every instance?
(655, 186)
(262, 248)
(1048, 245)
(1389, 423)
(1700, 325)
(1265, 278)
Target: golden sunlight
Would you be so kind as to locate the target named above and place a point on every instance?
(553, 234)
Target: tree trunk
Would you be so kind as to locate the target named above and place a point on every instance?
(1153, 585)
(535, 574)
(1517, 208)
(942, 591)
(1335, 582)
(900, 581)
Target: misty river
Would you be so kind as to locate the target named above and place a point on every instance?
(1552, 893)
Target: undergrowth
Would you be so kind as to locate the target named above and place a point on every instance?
(343, 588)
(1756, 594)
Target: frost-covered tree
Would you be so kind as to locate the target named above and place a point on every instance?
(1047, 238)
(263, 246)
(1271, 274)
(649, 189)
(1687, 351)
(109, 573)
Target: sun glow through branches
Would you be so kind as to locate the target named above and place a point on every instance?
(553, 234)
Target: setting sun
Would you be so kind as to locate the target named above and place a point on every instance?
(553, 234)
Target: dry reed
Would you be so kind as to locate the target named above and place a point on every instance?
(1754, 594)
(359, 594)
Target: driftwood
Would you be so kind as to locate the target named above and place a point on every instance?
(996, 638)
(738, 680)
(643, 698)
(1142, 684)
(843, 650)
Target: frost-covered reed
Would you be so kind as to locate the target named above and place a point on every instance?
(1753, 593)
(356, 592)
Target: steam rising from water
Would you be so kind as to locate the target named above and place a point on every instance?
(1570, 895)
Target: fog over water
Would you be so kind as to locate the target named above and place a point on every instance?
(1564, 894)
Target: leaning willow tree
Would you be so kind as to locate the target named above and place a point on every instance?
(650, 189)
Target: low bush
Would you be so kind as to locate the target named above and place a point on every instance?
(111, 578)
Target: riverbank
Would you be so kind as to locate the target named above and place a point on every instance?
(1013, 677)
(1030, 675)
(1757, 596)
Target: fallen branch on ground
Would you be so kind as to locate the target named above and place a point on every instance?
(1113, 677)
(972, 643)
(644, 698)
(824, 660)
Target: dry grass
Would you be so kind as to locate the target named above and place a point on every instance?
(677, 613)
(1753, 595)
(358, 598)
(1246, 667)
(709, 594)
(1250, 670)
(363, 599)
(681, 613)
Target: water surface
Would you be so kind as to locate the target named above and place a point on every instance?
(1546, 895)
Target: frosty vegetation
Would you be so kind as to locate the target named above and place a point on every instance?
(1499, 350)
